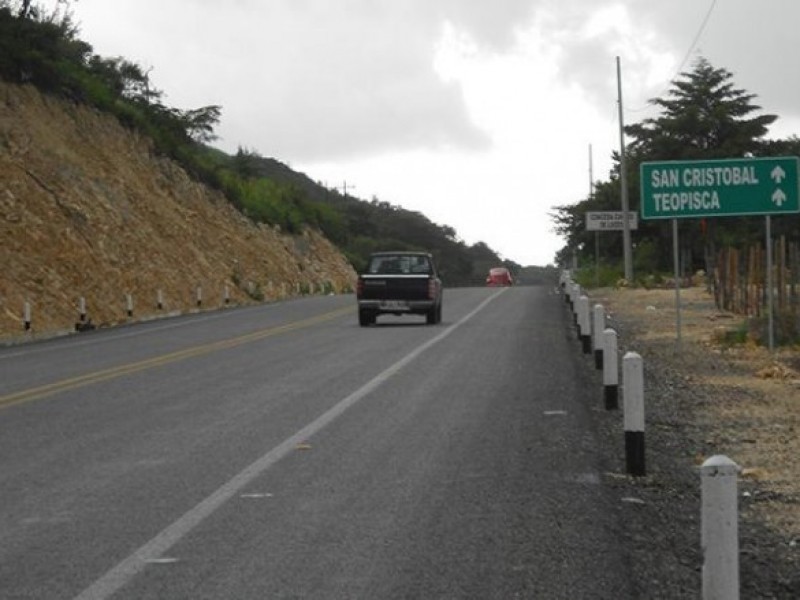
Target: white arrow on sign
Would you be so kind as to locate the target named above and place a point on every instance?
(777, 174)
(779, 197)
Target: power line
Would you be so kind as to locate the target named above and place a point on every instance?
(692, 46)
(696, 38)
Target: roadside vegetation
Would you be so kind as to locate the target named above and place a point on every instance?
(44, 49)
(703, 116)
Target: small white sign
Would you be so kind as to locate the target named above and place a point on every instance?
(610, 221)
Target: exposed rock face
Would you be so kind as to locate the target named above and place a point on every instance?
(88, 210)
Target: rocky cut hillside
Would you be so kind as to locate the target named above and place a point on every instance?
(88, 210)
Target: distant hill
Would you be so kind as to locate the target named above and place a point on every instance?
(368, 226)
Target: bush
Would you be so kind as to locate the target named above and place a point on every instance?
(732, 337)
(603, 276)
(785, 327)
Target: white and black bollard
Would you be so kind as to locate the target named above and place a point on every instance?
(573, 300)
(566, 287)
(199, 296)
(26, 316)
(129, 304)
(82, 309)
(598, 325)
(226, 295)
(633, 406)
(159, 300)
(584, 324)
(720, 529)
(610, 370)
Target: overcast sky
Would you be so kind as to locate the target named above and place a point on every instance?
(477, 113)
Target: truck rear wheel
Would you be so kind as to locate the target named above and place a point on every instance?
(430, 316)
(365, 318)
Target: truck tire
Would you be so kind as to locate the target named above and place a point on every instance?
(365, 318)
(430, 316)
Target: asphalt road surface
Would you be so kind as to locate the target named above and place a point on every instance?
(282, 451)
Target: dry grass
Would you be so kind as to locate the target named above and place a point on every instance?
(751, 410)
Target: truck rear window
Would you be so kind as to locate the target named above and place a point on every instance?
(399, 265)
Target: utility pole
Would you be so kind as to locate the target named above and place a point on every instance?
(596, 233)
(623, 181)
(343, 188)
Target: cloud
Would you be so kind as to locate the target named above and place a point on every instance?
(491, 24)
(313, 77)
(367, 85)
(657, 41)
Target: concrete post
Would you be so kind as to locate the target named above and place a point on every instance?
(720, 529)
(633, 405)
(26, 315)
(226, 294)
(82, 309)
(159, 299)
(129, 304)
(573, 300)
(610, 369)
(584, 324)
(598, 325)
(199, 296)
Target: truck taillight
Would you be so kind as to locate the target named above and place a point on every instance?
(359, 287)
(431, 289)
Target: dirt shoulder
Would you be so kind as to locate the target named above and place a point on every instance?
(705, 397)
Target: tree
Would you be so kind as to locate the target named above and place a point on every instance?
(703, 116)
(28, 10)
(200, 122)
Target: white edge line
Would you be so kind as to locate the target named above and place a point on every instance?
(129, 567)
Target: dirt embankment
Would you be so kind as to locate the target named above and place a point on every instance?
(704, 396)
(88, 210)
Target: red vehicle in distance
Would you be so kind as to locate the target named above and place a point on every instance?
(499, 276)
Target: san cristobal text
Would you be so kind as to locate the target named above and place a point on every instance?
(677, 190)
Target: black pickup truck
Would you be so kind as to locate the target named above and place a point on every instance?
(399, 283)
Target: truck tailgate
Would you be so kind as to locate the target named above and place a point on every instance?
(393, 287)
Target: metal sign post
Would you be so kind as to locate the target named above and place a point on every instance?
(612, 220)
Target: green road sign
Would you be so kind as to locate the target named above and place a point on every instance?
(720, 188)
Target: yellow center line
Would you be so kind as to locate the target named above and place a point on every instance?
(48, 389)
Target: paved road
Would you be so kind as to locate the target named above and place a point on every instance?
(282, 451)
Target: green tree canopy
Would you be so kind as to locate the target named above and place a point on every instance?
(703, 116)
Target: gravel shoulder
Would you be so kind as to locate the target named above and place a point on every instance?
(704, 397)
